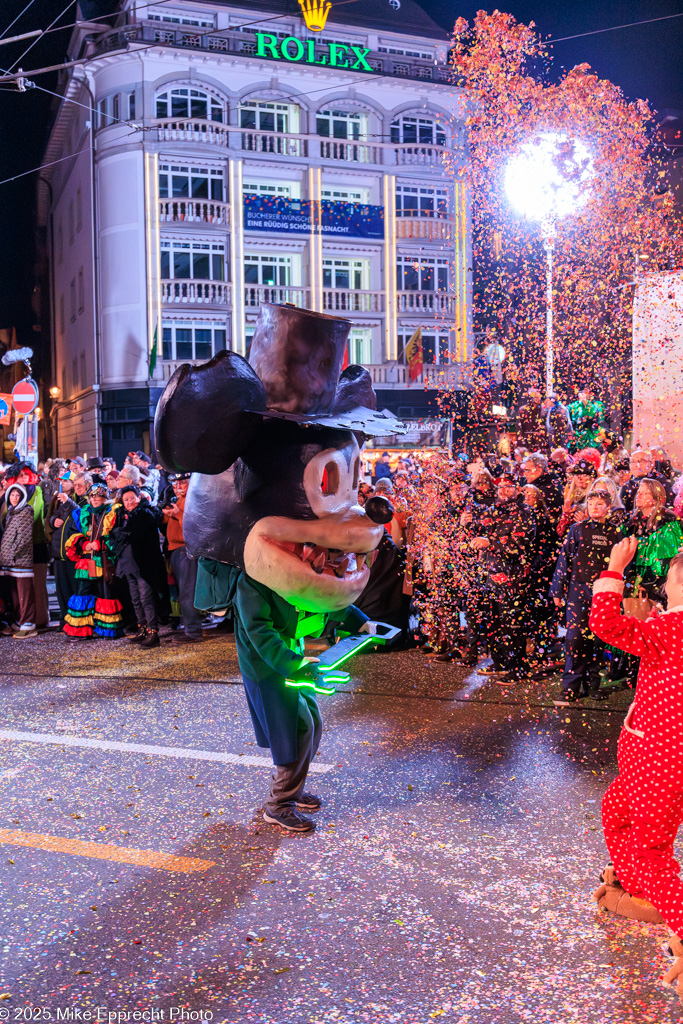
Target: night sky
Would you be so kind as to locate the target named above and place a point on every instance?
(645, 61)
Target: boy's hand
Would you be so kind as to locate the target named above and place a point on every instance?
(558, 602)
(622, 553)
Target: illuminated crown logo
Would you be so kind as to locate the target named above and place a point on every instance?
(315, 13)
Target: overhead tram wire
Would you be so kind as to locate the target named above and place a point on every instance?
(86, 60)
(612, 28)
(6, 30)
(31, 45)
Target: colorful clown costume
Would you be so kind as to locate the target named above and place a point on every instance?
(643, 808)
(92, 611)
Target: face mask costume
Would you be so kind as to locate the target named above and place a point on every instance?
(274, 448)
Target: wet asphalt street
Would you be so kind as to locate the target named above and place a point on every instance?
(449, 878)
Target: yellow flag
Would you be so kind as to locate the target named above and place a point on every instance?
(414, 355)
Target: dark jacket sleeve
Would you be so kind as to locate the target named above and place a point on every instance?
(560, 583)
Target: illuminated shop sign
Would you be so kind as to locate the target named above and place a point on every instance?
(308, 51)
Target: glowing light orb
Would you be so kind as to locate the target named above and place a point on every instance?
(550, 177)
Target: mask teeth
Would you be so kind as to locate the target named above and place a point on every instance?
(340, 568)
(318, 563)
(308, 552)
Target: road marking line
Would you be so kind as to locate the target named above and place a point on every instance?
(248, 760)
(101, 851)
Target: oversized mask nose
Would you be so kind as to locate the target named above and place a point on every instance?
(379, 509)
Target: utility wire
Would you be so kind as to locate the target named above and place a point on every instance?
(613, 28)
(34, 170)
(5, 31)
(31, 45)
(141, 49)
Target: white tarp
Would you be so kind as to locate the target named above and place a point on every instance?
(658, 363)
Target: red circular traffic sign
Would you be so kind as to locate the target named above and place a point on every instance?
(25, 396)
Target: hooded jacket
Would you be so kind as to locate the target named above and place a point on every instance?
(16, 548)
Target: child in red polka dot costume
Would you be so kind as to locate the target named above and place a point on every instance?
(643, 807)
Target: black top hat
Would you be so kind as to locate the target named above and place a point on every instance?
(95, 463)
(298, 357)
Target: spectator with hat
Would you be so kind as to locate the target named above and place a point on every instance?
(382, 470)
(92, 611)
(135, 541)
(581, 476)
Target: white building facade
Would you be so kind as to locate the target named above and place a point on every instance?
(220, 156)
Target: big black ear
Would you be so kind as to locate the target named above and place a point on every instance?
(201, 425)
(354, 389)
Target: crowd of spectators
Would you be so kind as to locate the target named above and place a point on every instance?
(114, 541)
(487, 560)
(502, 551)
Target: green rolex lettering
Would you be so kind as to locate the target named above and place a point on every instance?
(265, 41)
(285, 48)
(338, 54)
(361, 63)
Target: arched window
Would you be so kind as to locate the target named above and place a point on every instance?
(184, 102)
(411, 129)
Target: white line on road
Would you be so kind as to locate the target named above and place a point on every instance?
(248, 761)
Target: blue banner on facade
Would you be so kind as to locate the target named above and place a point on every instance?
(293, 216)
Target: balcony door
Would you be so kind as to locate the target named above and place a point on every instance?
(347, 274)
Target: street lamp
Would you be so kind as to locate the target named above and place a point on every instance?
(548, 179)
(54, 393)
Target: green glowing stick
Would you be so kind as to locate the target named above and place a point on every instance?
(328, 666)
(311, 684)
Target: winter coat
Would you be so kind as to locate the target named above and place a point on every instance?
(551, 492)
(59, 535)
(139, 532)
(511, 530)
(16, 548)
(584, 555)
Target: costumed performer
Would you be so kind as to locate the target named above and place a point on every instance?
(274, 448)
(643, 807)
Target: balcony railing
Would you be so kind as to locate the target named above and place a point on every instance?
(256, 294)
(421, 155)
(194, 130)
(350, 151)
(429, 229)
(397, 375)
(274, 142)
(418, 303)
(190, 291)
(193, 211)
(348, 300)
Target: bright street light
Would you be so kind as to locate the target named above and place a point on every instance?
(548, 179)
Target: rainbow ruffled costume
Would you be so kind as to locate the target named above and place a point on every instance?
(92, 611)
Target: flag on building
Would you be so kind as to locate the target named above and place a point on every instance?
(153, 353)
(414, 355)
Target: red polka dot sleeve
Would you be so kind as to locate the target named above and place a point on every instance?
(660, 635)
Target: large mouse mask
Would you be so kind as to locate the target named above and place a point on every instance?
(274, 449)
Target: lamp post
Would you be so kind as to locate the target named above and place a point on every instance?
(548, 179)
